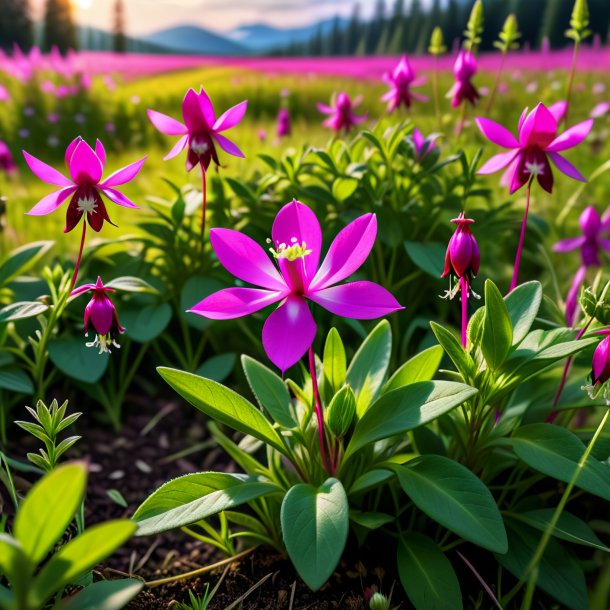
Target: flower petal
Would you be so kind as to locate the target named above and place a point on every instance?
(231, 117)
(81, 289)
(228, 146)
(245, 259)
(564, 166)
(289, 332)
(100, 151)
(349, 250)
(118, 198)
(124, 175)
(178, 148)
(234, 303)
(70, 149)
(51, 202)
(498, 162)
(297, 221)
(359, 300)
(571, 137)
(45, 172)
(539, 128)
(85, 165)
(496, 133)
(572, 298)
(558, 110)
(165, 124)
(569, 244)
(205, 103)
(192, 112)
(324, 109)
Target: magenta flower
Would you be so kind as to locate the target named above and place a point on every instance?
(600, 110)
(464, 69)
(341, 115)
(201, 130)
(283, 123)
(423, 146)
(591, 243)
(102, 315)
(290, 330)
(401, 80)
(462, 256)
(7, 165)
(85, 185)
(538, 141)
(600, 370)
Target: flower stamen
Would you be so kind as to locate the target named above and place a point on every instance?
(87, 205)
(290, 252)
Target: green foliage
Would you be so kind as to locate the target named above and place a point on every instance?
(509, 36)
(474, 27)
(579, 22)
(437, 44)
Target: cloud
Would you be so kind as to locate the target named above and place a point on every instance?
(258, 5)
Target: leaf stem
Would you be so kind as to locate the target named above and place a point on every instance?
(80, 255)
(318, 407)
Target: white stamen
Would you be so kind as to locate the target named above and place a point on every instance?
(104, 342)
(200, 147)
(87, 205)
(535, 169)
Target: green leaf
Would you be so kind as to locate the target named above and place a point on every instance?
(427, 576)
(74, 359)
(22, 310)
(15, 379)
(15, 565)
(80, 555)
(454, 497)
(315, 523)
(406, 408)
(105, 595)
(429, 257)
(48, 509)
(270, 392)
(145, 322)
(194, 497)
(556, 452)
(129, 283)
(422, 367)
(368, 367)
(334, 361)
(341, 411)
(222, 404)
(522, 305)
(559, 574)
(217, 368)
(370, 520)
(117, 497)
(453, 348)
(21, 259)
(343, 188)
(195, 289)
(370, 479)
(497, 328)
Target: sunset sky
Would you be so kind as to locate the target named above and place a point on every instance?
(145, 16)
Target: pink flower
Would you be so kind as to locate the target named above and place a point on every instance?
(283, 123)
(423, 146)
(341, 115)
(5, 96)
(462, 257)
(464, 69)
(528, 157)
(201, 131)
(85, 185)
(7, 165)
(599, 110)
(102, 315)
(401, 79)
(290, 330)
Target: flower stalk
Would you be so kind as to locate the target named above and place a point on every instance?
(515, 278)
(319, 413)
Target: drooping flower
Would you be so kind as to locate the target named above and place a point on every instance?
(201, 130)
(538, 141)
(7, 164)
(401, 81)
(85, 186)
(591, 243)
(283, 123)
(600, 368)
(341, 114)
(289, 331)
(101, 314)
(464, 69)
(423, 145)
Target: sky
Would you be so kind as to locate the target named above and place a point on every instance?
(146, 16)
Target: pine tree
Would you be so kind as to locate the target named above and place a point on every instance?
(59, 28)
(335, 38)
(353, 32)
(452, 23)
(15, 24)
(120, 40)
(415, 27)
(375, 27)
(555, 21)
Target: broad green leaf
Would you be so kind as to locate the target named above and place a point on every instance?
(145, 322)
(370, 520)
(105, 595)
(422, 367)
(334, 361)
(343, 188)
(222, 404)
(523, 304)
(429, 257)
(270, 392)
(406, 408)
(15, 379)
(22, 310)
(217, 368)
(368, 367)
(80, 555)
(427, 576)
(47, 510)
(460, 358)
(497, 329)
(129, 283)
(556, 452)
(74, 359)
(21, 259)
(195, 289)
(453, 496)
(194, 497)
(370, 479)
(315, 523)
(15, 565)
(559, 574)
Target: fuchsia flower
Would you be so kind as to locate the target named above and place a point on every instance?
(201, 131)
(401, 79)
(462, 257)
(283, 123)
(590, 243)
(464, 69)
(85, 185)
(600, 369)
(538, 141)
(7, 165)
(341, 115)
(102, 315)
(423, 146)
(290, 330)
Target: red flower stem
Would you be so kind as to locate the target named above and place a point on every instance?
(513, 283)
(204, 191)
(80, 255)
(318, 407)
(571, 81)
(464, 288)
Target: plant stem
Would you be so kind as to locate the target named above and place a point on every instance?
(513, 283)
(204, 194)
(437, 105)
(571, 81)
(494, 90)
(464, 289)
(318, 408)
(80, 255)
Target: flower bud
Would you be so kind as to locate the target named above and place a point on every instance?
(462, 257)
(341, 411)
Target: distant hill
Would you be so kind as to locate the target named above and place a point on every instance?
(193, 39)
